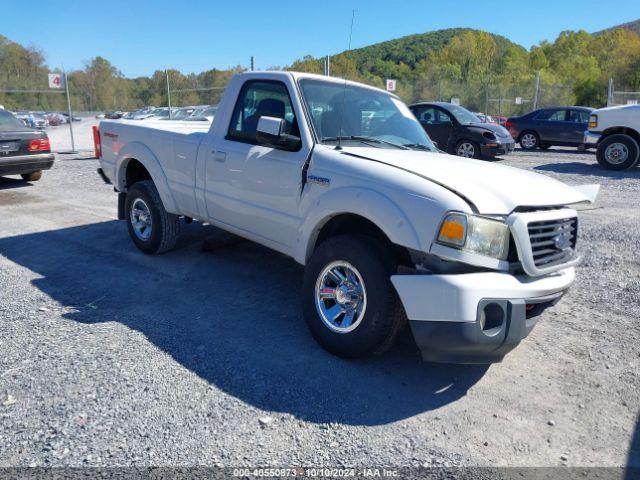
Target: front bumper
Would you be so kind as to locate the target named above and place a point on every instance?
(591, 138)
(25, 163)
(492, 149)
(475, 317)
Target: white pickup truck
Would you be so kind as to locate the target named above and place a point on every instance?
(616, 133)
(341, 177)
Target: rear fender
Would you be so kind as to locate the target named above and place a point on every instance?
(141, 153)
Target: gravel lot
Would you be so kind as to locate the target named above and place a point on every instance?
(60, 136)
(110, 357)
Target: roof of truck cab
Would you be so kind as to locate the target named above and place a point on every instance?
(300, 75)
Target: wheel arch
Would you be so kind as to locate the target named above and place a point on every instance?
(528, 130)
(368, 212)
(620, 130)
(137, 162)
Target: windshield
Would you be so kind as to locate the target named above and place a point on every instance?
(463, 115)
(371, 117)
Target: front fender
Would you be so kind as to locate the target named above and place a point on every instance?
(374, 206)
(142, 153)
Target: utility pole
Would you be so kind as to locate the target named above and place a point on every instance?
(610, 93)
(252, 64)
(486, 101)
(66, 86)
(166, 72)
(536, 93)
(327, 66)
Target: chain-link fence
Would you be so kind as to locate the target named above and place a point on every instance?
(622, 95)
(490, 97)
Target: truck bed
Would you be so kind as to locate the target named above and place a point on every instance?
(171, 145)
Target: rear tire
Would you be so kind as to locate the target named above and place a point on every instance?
(529, 140)
(151, 227)
(348, 301)
(618, 152)
(32, 177)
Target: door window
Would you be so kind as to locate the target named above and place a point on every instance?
(442, 117)
(558, 116)
(260, 98)
(579, 116)
(552, 115)
(433, 116)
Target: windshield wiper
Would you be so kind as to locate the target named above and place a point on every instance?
(363, 139)
(418, 146)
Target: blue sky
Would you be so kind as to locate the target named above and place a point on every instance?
(140, 36)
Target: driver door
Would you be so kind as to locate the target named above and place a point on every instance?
(254, 187)
(437, 124)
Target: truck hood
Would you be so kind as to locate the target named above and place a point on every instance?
(491, 188)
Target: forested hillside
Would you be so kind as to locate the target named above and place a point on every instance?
(486, 71)
(632, 26)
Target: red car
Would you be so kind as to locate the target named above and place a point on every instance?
(500, 120)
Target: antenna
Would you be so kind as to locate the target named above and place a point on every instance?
(344, 92)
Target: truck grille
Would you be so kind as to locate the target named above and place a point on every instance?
(553, 242)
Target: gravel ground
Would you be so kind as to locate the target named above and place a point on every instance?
(113, 358)
(60, 137)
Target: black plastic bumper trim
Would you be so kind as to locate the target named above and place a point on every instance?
(25, 163)
(468, 343)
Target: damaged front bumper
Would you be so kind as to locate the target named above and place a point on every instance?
(476, 317)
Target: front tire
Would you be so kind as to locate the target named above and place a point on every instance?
(32, 177)
(348, 301)
(151, 227)
(529, 141)
(467, 149)
(617, 152)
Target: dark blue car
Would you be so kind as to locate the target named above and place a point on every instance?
(562, 126)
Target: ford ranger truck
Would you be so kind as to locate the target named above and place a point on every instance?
(342, 178)
(616, 133)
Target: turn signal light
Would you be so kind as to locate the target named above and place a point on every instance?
(453, 230)
(40, 145)
(593, 122)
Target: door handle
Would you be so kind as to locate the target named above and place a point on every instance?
(220, 156)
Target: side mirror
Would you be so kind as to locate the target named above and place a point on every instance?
(270, 132)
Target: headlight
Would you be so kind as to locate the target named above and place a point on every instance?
(593, 122)
(489, 135)
(481, 235)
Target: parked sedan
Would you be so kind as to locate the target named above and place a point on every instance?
(458, 131)
(114, 115)
(203, 114)
(23, 150)
(500, 120)
(562, 126)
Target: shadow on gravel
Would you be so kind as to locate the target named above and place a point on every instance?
(589, 169)
(233, 317)
(7, 183)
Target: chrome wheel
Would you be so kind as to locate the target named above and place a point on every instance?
(341, 297)
(141, 219)
(528, 140)
(466, 150)
(616, 153)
